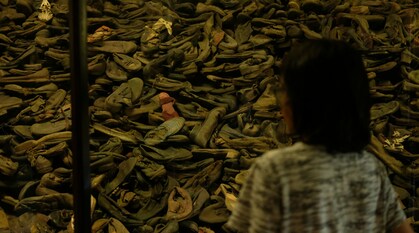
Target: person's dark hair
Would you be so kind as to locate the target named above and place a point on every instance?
(328, 90)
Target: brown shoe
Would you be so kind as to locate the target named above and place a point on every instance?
(179, 205)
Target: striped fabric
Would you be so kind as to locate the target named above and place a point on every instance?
(304, 189)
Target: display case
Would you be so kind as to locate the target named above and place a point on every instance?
(181, 100)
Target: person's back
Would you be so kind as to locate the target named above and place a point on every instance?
(316, 191)
(326, 182)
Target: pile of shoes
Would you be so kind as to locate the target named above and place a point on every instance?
(182, 101)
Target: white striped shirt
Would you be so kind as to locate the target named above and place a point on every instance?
(304, 189)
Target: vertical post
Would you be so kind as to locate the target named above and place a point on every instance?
(79, 115)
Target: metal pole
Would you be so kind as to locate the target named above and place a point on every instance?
(79, 116)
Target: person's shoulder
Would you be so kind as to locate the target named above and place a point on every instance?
(376, 163)
(282, 155)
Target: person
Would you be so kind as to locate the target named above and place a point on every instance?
(326, 181)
